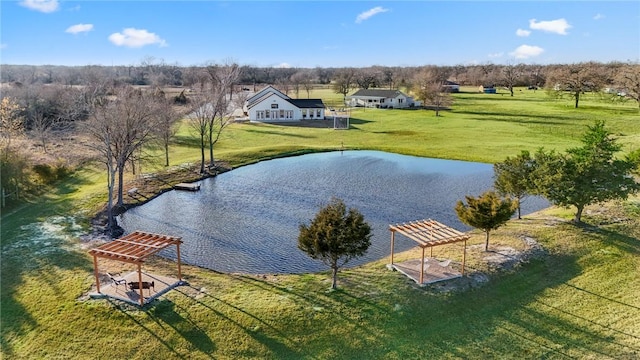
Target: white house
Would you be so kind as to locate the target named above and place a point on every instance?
(380, 98)
(271, 105)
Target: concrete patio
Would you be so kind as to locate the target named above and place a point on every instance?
(162, 285)
(434, 270)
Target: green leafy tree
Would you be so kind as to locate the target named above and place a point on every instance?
(487, 212)
(335, 236)
(512, 177)
(634, 159)
(586, 175)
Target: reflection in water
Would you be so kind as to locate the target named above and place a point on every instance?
(246, 220)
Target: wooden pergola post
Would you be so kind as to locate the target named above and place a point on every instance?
(422, 267)
(140, 284)
(393, 236)
(179, 268)
(464, 255)
(96, 273)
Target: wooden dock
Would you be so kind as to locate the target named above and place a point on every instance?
(187, 186)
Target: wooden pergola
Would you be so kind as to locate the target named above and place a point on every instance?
(429, 233)
(134, 248)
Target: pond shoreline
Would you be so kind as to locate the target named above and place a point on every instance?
(247, 221)
(187, 173)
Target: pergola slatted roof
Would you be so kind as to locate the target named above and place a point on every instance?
(135, 248)
(429, 233)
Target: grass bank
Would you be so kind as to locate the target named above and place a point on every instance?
(579, 297)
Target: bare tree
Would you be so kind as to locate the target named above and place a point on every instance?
(201, 114)
(41, 127)
(307, 83)
(629, 79)
(343, 82)
(366, 78)
(429, 88)
(296, 82)
(511, 75)
(577, 79)
(222, 79)
(167, 119)
(121, 126)
(284, 85)
(11, 120)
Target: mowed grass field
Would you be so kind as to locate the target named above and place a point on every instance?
(578, 297)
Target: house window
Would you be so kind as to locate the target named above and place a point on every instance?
(266, 114)
(400, 101)
(282, 113)
(274, 106)
(318, 112)
(381, 101)
(304, 113)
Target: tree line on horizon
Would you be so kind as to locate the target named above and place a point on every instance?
(155, 72)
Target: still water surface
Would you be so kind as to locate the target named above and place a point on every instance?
(247, 220)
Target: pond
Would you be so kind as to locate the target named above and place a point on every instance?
(247, 220)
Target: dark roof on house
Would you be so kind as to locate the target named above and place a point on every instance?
(257, 100)
(307, 103)
(449, 82)
(378, 93)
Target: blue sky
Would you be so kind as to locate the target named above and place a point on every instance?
(318, 33)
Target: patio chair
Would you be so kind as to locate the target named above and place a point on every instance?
(445, 263)
(117, 279)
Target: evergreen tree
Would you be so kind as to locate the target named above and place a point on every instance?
(512, 177)
(487, 212)
(335, 236)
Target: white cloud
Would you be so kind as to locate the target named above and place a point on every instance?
(369, 13)
(598, 17)
(526, 51)
(558, 26)
(135, 38)
(78, 28)
(283, 65)
(523, 33)
(496, 55)
(45, 6)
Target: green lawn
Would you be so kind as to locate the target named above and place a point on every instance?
(579, 298)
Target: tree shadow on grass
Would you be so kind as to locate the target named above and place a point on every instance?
(279, 344)
(498, 319)
(555, 120)
(186, 328)
(357, 121)
(37, 242)
(278, 133)
(151, 332)
(509, 302)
